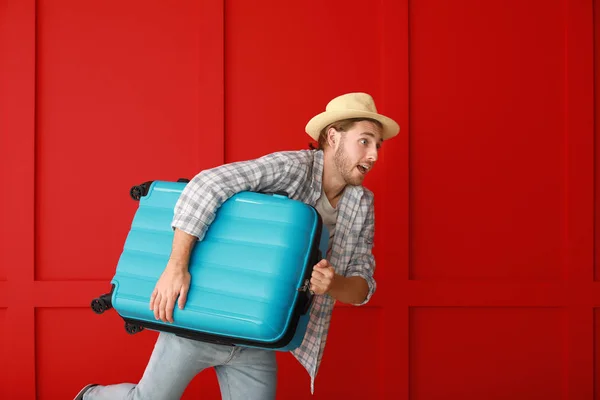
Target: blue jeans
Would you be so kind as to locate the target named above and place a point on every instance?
(243, 373)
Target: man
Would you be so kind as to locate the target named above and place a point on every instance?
(349, 133)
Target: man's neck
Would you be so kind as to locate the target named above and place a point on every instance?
(333, 183)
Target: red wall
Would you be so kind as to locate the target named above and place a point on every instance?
(485, 203)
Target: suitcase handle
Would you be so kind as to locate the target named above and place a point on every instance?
(309, 302)
(307, 296)
(280, 193)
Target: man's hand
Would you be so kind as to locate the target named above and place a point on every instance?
(322, 277)
(174, 282)
(350, 290)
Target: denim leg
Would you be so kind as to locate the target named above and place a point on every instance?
(251, 374)
(174, 363)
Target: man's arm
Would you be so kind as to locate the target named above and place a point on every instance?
(351, 290)
(175, 280)
(362, 263)
(358, 285)
(183, 244)
(206, 192)
(196, 209)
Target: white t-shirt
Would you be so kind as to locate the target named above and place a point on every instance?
(329, 216)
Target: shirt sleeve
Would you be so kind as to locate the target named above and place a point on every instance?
(362, 262)
(198, 203)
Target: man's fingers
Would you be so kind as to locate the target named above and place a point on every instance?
(316, 279)
(318, 275)
(170, 306)
(322, 264)
(328, 273)
(316, 282)
(182, 297)
(161, 308)
(316, 288)
(152, 298)
(156, 305)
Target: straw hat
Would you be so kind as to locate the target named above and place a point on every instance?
(351, 105)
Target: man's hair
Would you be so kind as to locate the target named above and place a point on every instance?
(343, 125)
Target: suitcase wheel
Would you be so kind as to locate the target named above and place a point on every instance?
(101, 304)
(136, 192)
(132, 329)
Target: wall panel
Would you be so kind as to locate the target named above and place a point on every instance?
(124, 109)
(486, 353)
(92, 101)
(285, 61)
(487, 135)
(596, 332)
(75, 347)
(3, 353)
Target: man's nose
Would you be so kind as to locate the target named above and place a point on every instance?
(372, 156)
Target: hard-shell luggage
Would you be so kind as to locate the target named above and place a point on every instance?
(249, 275)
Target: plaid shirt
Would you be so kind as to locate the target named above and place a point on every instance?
(299, 173)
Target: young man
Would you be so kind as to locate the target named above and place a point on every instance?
(349, 132)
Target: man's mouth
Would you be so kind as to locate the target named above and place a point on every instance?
(363, 168)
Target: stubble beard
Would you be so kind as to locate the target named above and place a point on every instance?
(345, 167)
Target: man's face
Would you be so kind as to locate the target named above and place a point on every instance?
(356, 152)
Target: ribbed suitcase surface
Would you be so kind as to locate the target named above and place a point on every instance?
(248, 273)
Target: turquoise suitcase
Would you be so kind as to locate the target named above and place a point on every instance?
(249, 275)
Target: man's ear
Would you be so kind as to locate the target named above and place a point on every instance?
(332, 136)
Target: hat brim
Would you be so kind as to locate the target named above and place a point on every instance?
(320, 121)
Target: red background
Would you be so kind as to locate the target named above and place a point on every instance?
(485, 204)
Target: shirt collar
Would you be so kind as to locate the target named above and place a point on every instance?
(318, 171)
